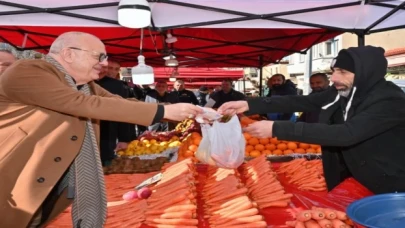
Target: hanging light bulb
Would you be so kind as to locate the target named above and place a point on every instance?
(142, 74)
(174, 75)
(134, 13)
(170, 39)
(171, 62)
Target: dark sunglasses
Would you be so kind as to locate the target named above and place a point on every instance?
(101, 56)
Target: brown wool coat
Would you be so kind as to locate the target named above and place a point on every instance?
(41, 132)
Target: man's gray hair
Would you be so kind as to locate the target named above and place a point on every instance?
(67, 39)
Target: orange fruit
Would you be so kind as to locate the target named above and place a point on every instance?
(197, 141)
(304, 146)
(319, 150)
(259, 147)
(266, 152)
(193, 148)
(282, 146)
(247, 136)
(288, 151)
(270, 147)
(249, 148)
(277, 152)
(292, 145)
(188, 154)
(253, 141)
(247, 154)
(314, 146)
(300, 151)
(274, 141)
(264, 141)
(255, 153)
(195, 135)
(311, 150)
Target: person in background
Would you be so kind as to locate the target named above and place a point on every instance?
(114, 68)
(217, 88)
(279, 86)
(202, 96)
(49, 120)
(319, 82)
(114, 136)
(182, 95)
(361, 123)
(227, 93)
(6, 59)
(158, 95)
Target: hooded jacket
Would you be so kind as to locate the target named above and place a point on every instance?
(362, 135)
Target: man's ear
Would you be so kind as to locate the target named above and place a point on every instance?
(67, 55)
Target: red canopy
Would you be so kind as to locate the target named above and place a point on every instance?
(204, 47)
(198, 74)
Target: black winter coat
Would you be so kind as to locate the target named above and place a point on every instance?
(370, 143)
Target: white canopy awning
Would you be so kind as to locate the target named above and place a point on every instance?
(343, 15)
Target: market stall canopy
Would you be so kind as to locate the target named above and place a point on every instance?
(199, 74)
(220, 33)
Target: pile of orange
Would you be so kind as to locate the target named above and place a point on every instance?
(189, 146)
(272, 146)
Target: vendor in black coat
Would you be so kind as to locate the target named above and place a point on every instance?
(361, 124)
(113, 135)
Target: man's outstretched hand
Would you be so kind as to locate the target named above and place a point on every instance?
(233, 107)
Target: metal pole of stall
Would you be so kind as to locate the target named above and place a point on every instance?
(261, 75)
(308, 72)
(244, 84)
(361, 39)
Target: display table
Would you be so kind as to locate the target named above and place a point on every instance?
(119, 212)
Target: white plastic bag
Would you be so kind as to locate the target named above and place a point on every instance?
(222, 145)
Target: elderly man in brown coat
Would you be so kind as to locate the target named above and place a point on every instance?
(49, 112)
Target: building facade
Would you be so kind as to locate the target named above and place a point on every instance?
(323, 53)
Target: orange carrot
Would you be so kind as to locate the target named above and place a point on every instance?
(325, 223)
(291, 223)
(274, 204)
(243, 220)
(341, 215)
(299, 224)
(261, 224)
(188, 222)
(238, 192)
(317, 215)
(174, 208)
(180, 214)
(311, 224)
(170, 226)
(304, 216)
(338, 223)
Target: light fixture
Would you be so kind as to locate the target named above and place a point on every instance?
(174, 75)
(134, 13)
(169, 56)
(170, 39)
(172, 62)
(142, 74)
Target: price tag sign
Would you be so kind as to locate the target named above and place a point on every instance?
(149, 181)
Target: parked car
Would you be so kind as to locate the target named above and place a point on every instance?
(400, 83)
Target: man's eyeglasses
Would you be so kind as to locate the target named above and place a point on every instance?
(101, 56)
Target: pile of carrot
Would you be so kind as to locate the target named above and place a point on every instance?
(263, 185)
(173, 203)
(320, 218)
(307, 175)
(226, 203)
